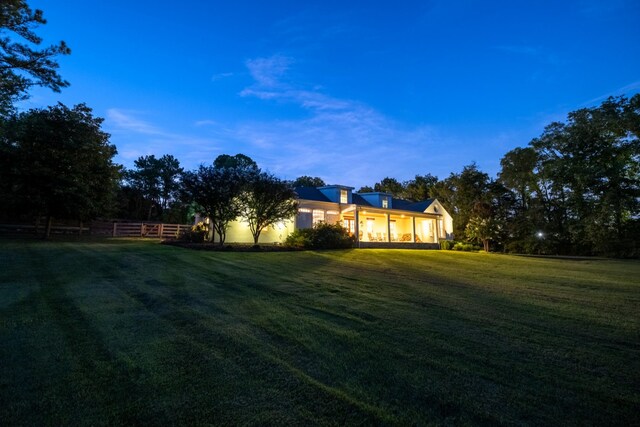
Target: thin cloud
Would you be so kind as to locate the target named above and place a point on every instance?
(220, 76)
(347, 140)
(624, 90)
(137, 137)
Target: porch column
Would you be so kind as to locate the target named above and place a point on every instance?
(388, 227)
(413, 229)
(437, 230)
(357, 228)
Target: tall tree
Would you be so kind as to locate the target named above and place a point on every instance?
(420, 188)
(238, 162)
(216, 191)
(265, 201)
(156, 181)
(391, 186)
(308, 181)
(591, 163)
(459, 193)
(23, 65)
(60, 163)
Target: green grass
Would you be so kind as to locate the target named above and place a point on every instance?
(132, 332)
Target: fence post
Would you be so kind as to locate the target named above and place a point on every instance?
(142, 229)
(160, 230)
(115, 224)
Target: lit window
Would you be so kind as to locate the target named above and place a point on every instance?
(343, 196)
(333, 213)
(318, 216)
(304, 210)
(370, 224)
(385, 202)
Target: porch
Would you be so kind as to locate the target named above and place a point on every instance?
(381, 228)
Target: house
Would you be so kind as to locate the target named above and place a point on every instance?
(376, 219)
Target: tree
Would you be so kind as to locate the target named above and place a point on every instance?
(239, 161)
(308, 181)
(22, 65)
(365, 189)
(155, 181)
(482, 230)
(265, 201)
(420, 188)
(459, 193)
(216, 191)
(391, 186)
(60, 164)
(591, 168)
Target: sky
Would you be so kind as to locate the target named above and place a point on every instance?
(351, 92)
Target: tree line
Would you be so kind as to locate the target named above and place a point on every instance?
(573, 190)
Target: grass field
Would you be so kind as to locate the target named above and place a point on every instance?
(132, 332)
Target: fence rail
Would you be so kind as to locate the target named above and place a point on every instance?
(102, 228)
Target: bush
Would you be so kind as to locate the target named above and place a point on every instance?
(466, 247)
(322, 236)
(446, 245)
(196, 234)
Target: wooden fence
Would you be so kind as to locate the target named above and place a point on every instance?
(139, 229)
(101, 228)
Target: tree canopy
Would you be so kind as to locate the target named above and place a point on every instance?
(22, 63)
(58, 163)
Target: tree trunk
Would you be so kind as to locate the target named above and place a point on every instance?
(80, 229)
(485, 243)
(47, 232)
(256, 237)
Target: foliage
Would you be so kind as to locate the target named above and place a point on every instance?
(216, 191)
(420, 188)
(238, 162)
(459, 193)
(153, 185)
(466, 247)
(321, 236)
(446, 245)
(23, 65)
(58, 164)
(196, 234)
(482, 229)
(389, 185)
(308, 181)
(265, 201)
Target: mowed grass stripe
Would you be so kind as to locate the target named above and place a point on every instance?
(373, 336)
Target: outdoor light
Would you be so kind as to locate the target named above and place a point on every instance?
(540, 234)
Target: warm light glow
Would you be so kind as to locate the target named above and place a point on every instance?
(333, 212)
(304, 210)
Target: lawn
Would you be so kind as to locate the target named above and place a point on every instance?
(133, 332)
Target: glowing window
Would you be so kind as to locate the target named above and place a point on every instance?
(318, 216)
(304, 210)
(370, 224)
(343, 196)
(385, 202)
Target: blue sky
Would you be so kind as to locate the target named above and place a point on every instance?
(348, 91)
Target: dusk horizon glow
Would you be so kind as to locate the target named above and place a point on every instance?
(351, 93)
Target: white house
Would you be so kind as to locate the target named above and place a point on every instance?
(376, 219)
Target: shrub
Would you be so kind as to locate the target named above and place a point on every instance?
(446, 245)
(301, 238)
(321, 236)
(196, 234)
(466, 247)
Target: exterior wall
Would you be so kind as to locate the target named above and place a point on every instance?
(239, 232)
(447, 222)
